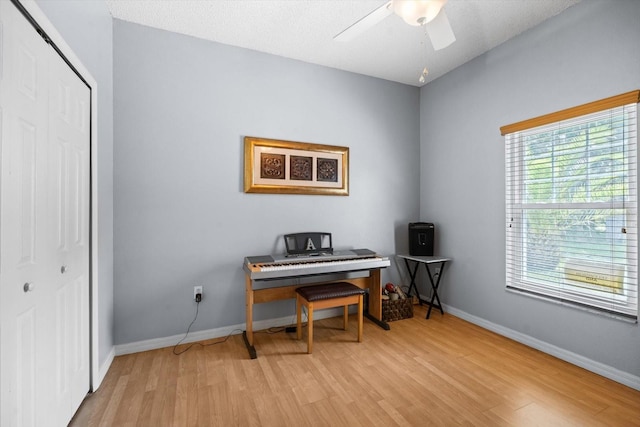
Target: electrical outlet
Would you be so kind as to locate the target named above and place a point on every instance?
(197, 290)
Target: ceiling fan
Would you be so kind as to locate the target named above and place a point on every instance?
(429, 13)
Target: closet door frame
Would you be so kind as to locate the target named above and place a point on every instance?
(40, 20)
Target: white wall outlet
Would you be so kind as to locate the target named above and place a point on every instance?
(197, 290)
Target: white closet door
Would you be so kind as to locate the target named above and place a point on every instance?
(44, 202)
(68, 189)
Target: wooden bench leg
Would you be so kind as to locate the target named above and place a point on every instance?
(310, 328)
(345, 316)
(360, 304)
(299, 317)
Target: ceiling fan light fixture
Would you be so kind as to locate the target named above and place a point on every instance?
(423, 75)
(417, 12)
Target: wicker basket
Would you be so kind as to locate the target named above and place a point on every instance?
(397, 310)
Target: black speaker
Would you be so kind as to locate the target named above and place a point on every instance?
(421, 238)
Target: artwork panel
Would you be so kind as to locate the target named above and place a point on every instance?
(300, 168)
(272, 166)
(327, 170)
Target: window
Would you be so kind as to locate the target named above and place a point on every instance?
(571, 206)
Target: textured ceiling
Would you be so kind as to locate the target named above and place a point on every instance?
(304, 30)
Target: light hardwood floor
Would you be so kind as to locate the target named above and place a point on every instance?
(442, 371)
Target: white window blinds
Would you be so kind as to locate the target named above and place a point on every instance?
(571, 208)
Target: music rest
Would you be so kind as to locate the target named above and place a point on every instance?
(308, 243)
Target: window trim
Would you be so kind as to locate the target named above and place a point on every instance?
(632, 97)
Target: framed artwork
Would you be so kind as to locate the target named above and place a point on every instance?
(286, 167)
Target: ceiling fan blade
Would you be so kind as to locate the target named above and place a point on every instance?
(364, 23)
(440, 31)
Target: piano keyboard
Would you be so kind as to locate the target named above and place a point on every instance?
(307, 264)
(312, 266)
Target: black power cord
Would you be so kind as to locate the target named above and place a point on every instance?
(178, 353)
(273, 330)
(189, 328)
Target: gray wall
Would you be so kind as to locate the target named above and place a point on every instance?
(589, 52)
(182, 106)
(181, 109)
(86, 27)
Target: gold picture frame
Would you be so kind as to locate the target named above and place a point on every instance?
(287, 167)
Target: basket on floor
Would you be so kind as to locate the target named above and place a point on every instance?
(397, 310)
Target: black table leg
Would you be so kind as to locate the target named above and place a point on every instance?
(412, 275)
(434, 287)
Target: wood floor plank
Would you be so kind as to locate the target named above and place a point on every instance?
(437, 372)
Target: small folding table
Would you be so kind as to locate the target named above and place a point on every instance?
(434, 261)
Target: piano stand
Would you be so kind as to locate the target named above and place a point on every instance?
(258, 295)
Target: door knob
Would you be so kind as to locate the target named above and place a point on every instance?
(63, 269)
(28, 287)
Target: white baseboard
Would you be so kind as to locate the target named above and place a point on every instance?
(171, 341)
(606, 371)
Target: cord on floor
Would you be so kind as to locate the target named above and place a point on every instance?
(272, 330)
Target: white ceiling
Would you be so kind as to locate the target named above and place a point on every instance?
(304, 30)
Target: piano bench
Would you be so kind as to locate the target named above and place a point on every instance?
(327, 296)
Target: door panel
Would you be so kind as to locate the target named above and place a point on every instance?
(69, 102)
(23, 218)
(24, 170)
(44, 233)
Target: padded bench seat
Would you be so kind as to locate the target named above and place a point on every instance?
(327, 295)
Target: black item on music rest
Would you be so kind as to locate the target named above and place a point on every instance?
(421, 236)
(312, 243)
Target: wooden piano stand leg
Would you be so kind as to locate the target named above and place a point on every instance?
(373, 310)
(298, 317)
(247, 335)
